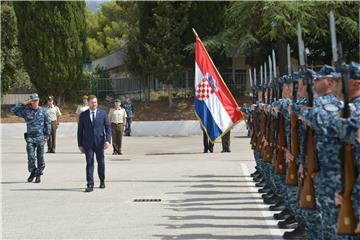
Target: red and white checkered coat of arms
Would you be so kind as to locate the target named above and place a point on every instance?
(206, 87)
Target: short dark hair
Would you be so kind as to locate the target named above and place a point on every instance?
(91, 97)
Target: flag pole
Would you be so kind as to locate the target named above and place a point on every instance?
(195, 33)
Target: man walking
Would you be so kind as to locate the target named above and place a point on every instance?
(117, 116)
(54, 115)
(94, 135)
(37, 133)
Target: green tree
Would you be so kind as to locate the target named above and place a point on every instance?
(164, 45)
(52, 39)
(107, 29)
(254, 28)
(150, 22)
(12, 70)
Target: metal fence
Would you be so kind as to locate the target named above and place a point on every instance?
(135, 88)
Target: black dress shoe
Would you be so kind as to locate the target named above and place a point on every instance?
(102, 185)
(298, 233)
(205, 151)
(290, 222)
(284, 214)
(277, 207)
(38, 178)
(89, 189)
(31, 177)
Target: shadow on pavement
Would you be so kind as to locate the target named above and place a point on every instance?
(204, 225)
(50, 189)
(210, 199)
(173, 153)
(212, 217)
(211, 236)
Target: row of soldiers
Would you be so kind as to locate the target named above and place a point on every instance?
(300, 138)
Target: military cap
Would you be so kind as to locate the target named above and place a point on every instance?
(295, 76)
(328, 72)
(354, 71)
(34, 97)
(285, 79)
(117, 100)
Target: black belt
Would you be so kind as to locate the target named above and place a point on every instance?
(33, 134)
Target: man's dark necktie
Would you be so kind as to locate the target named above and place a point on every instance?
(93, 118)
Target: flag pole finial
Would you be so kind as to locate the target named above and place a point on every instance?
(195, 33)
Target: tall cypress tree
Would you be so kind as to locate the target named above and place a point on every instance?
(52, 39)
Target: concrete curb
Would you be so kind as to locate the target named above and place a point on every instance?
(143, 128)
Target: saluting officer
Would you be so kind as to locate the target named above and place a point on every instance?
(37, 133)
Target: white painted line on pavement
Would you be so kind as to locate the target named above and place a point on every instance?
(272, 224)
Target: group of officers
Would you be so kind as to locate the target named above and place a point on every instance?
(299, 136)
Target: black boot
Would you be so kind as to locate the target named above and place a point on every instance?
(254, 173)
(260, 184)
(284, 214)
(298, 233)
(31, 177)
(271, 200)
(258, 178)
(279, 206)
(290, 222)
(267, 195)
(264, 190)
(38, 178)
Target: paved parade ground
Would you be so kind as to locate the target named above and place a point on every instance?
(202, 196)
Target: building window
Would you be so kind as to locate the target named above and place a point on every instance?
(240, 77)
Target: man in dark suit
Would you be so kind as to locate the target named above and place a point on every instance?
(94, 135)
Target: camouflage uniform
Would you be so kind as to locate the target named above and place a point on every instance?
(347, 131)
(38, 131)
(280, 179)
(327, 152)
(313, 217)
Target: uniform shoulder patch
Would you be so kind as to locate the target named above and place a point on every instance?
(331, 107)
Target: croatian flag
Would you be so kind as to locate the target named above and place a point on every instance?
(215, 107)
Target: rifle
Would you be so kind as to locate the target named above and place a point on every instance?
(291, 175)
(280, 155)
(260, 142)
(255, 130)
(306, 189)
(346, 222)
(268, 149)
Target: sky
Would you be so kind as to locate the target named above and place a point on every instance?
(95, 5)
